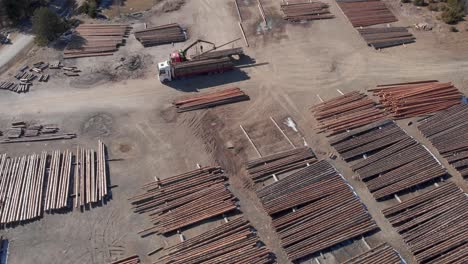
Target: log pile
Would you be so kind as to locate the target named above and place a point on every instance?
(232, 242)
(128, 260)
(280, 163)
(386, 37)
(306, 11)
(363, 13)
(92, 40)
(314, 209)
(58, 181)
(434, 225)
(346, 112)
(390, 161)
(447, 131)
(183, 200)
(163, 34)
(403, 100)
(207, 100)
(23, 132)
(216, 54)
(382, 254)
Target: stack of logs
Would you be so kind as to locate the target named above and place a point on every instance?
(411, 99)
(390, 160)
(207, 100)
(161, 35)
(128, 260)
(447, 131)
(96, 40)
(346, 112)
(306, 11)
(363, 13)
(386, 37)
(382, 254)
(434, 224)
(34, 184)
(279, 163)
(184, 199)
(232, 242)
(23, 132)
(314, 209)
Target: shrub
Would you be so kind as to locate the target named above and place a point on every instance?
(405, 1)
(92, 8)
(453, 29)
(433, 7)
(46, 25)
(418, 2)
(453, 12)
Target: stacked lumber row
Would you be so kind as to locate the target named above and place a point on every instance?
(434, 225)
(314, 209)
(280, 163)
(403, 100)
(25, 76)
(163, 34)
(390, 161)
(58, 181)
(96, 40)
(15, 87)
(90, 176)
(363, 13)
(306, 11)
(23, 132)
(21, 187)
(346, 112)
(128, 260)
(382, 254)
(207, 100)
(447, 131)
(183, 200)
(232, 242)
(386, 37)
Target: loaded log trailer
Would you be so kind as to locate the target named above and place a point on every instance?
(210, 61)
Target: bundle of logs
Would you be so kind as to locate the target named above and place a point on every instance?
(161, 35)
(279, 163)
(314, 209)
(92, 40)
(232, 242)
(183, 200)
(34, 184)
(363, 13)
(403, 100)
(447, 131)
(22, 132)
(128, 260)
(207, 100)
(434, 224)
(382, 254)
(390, 161)
(346, 112)
(386, 37)
(306, 11)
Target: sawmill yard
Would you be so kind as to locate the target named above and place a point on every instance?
(289, 68)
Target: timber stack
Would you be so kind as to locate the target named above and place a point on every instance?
(231, 242)
(403, 100)
(386, 37)
(447, 132)
(163, 34)
(22, 132)
(208, 100)
(363, 13)
(279, 163)
(128, 260)
(346, 112)
(434, 224)
(314, 209)
(91, 40)
(306, 10)
(382, 254)
(183, 200)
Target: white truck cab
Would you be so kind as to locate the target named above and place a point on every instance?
(164, 71)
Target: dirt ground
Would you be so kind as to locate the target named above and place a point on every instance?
(292, 66)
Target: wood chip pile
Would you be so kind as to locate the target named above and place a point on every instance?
(434, 224)
(363, 13)
(208, 100)
(382, 254)
(161, 35)
(92, 40)
(306, 11)
(403, 100)
(386, 37)
(447, 131)
(314, 209)
(345, 112)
